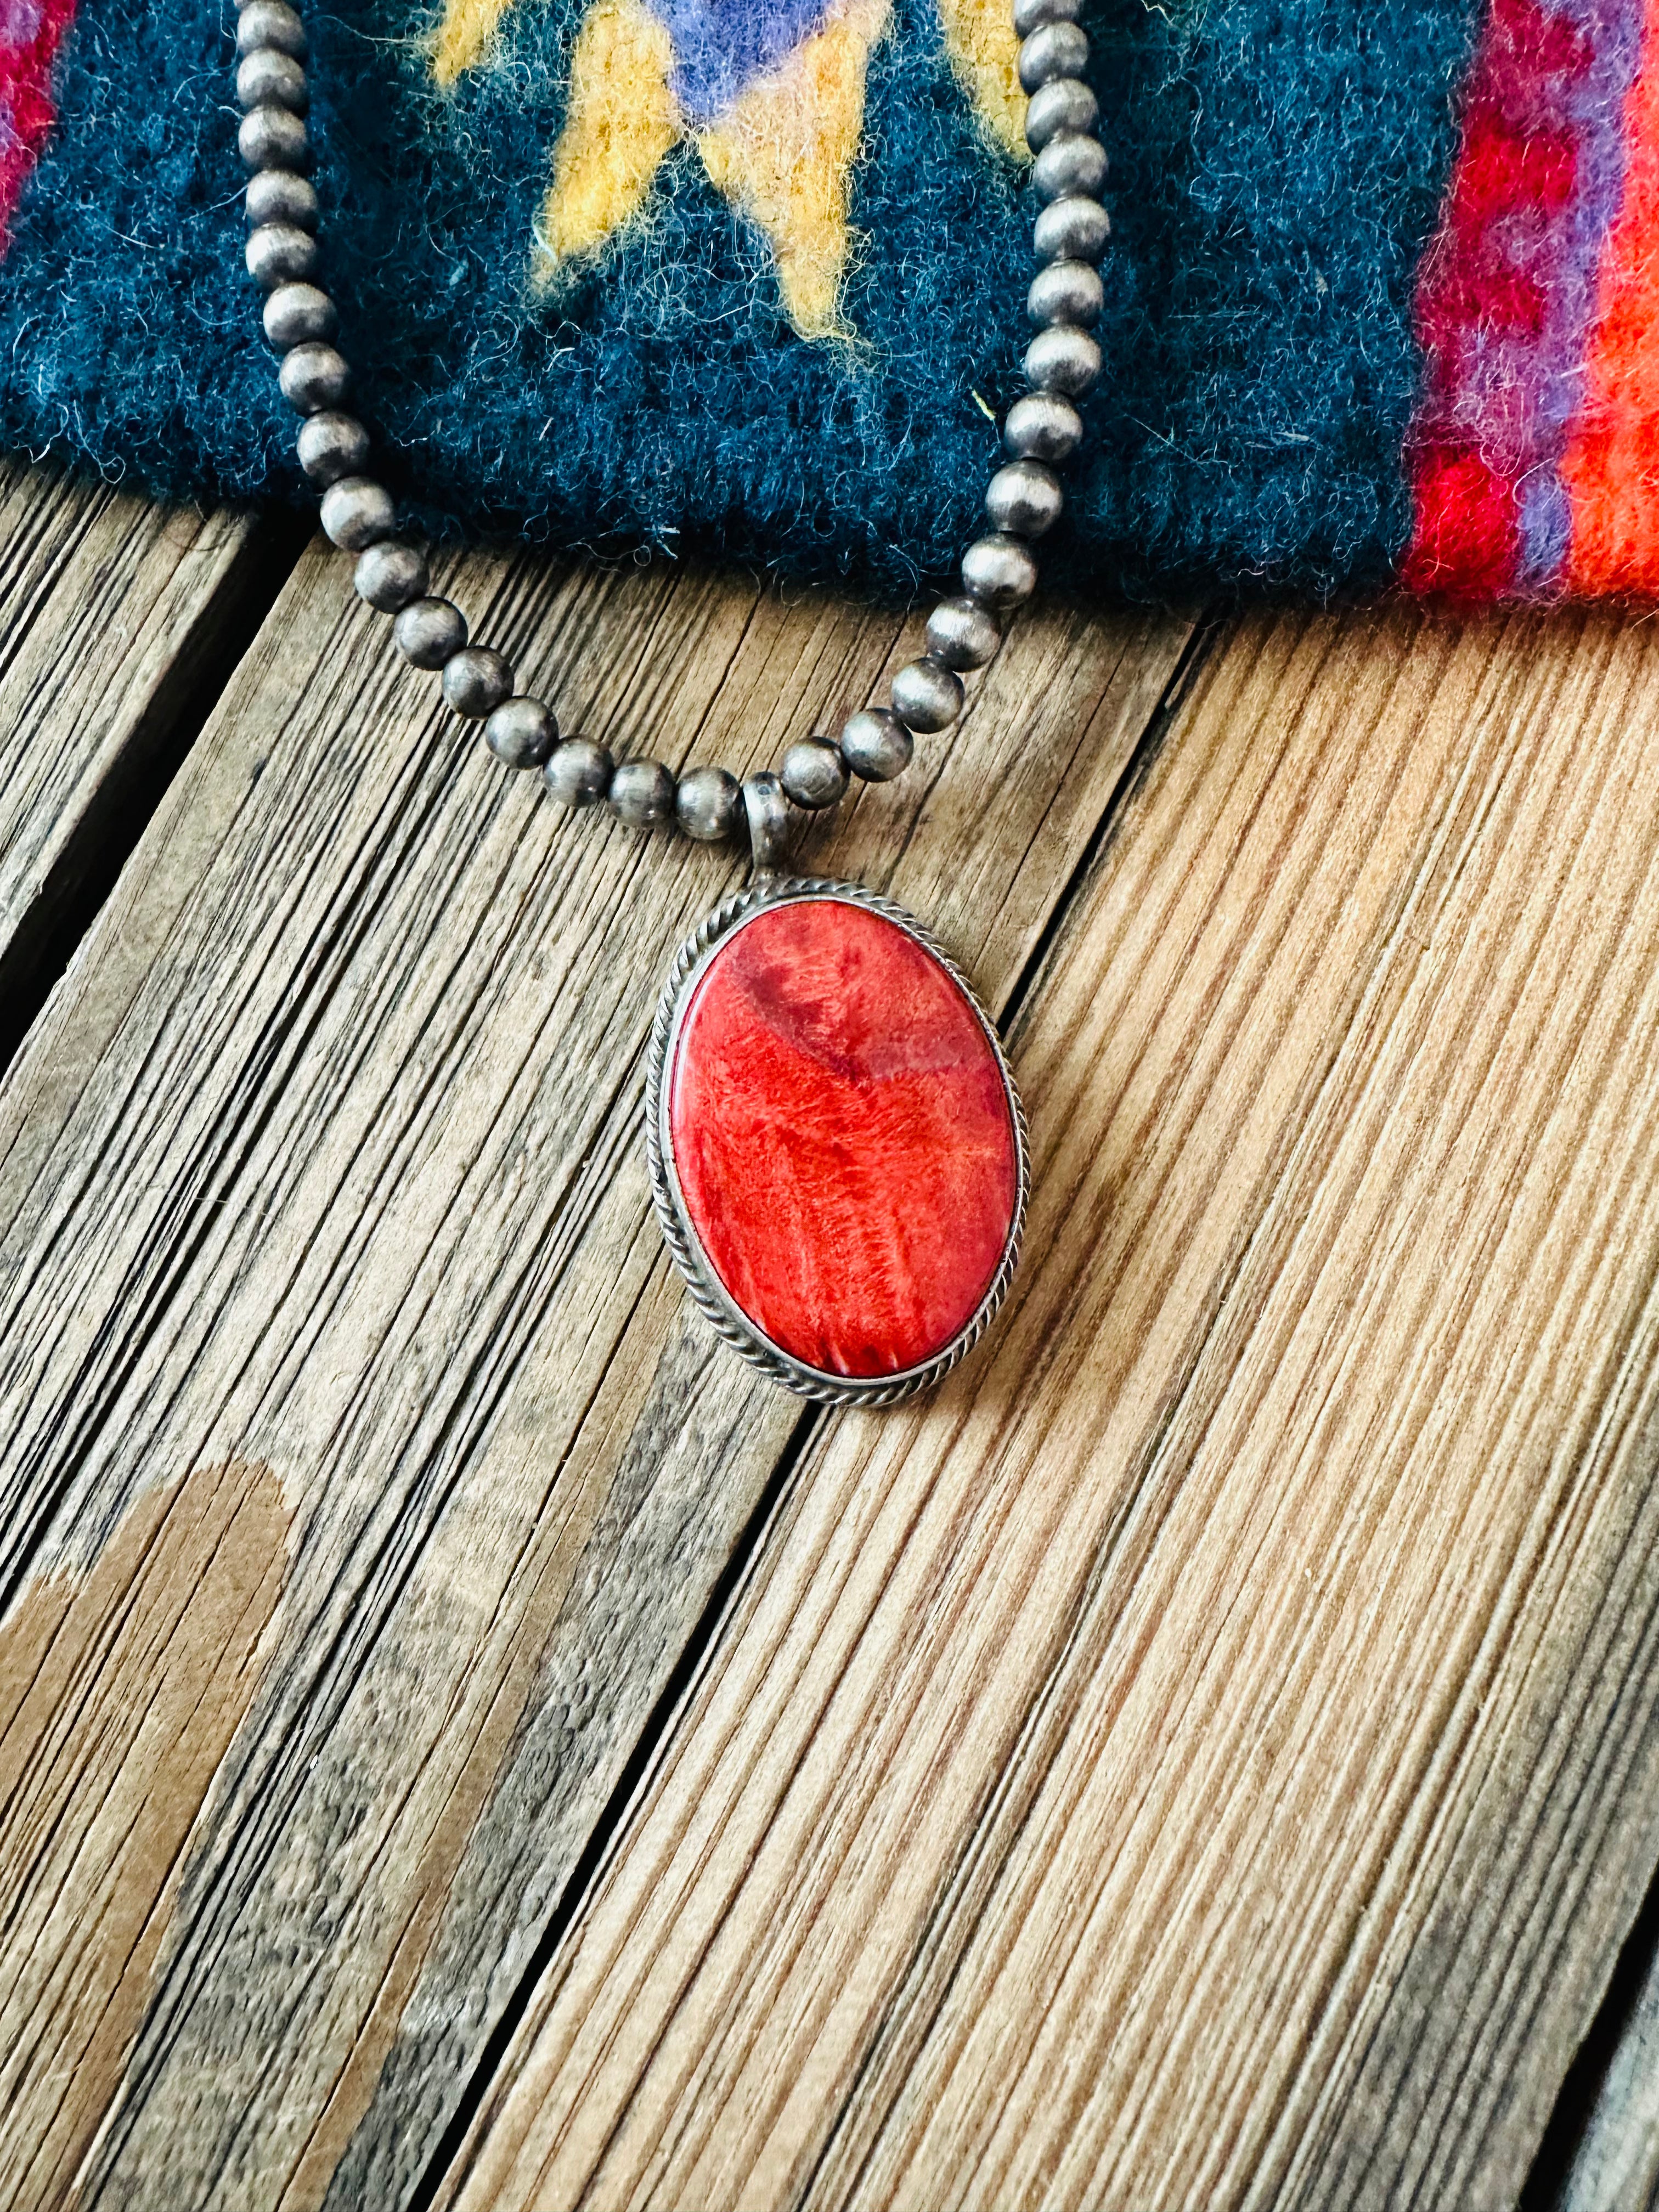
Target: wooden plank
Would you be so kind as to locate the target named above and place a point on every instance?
(326, 1161)
(152, 1655)
(1209, 1755)
(118, 621)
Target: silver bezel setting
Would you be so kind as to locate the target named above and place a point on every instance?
(728, 1319)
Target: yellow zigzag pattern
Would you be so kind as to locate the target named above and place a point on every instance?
(783, 152)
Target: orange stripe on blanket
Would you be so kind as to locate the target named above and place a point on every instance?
(1610, 467)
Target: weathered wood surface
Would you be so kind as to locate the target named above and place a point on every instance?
(346, 1396)
(1206, 1757)
(1209, 1755)
(116, 617)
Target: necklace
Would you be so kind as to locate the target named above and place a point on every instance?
(837, 1151)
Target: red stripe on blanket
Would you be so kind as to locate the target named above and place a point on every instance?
(30, 31)
(1508, 296)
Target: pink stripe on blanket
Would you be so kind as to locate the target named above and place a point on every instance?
(30, 31)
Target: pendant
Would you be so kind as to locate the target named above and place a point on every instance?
(837, 1150)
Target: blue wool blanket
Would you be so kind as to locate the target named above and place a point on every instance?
(745, 278)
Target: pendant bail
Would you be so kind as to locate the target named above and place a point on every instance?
(769, 811)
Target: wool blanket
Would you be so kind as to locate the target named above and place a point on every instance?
(746, 279)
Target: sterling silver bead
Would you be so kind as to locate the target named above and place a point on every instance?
(1067, 104)
(429, 631)
(813, 773)
(270, 24)
(312, 377)
(331, 446)
(1065, 292)
(298, 314)
(1072, 229)
(1025, 497)
(961, 633)
(476, 680)
(522, 732)
(1062, 359)
(1072, 162)
(999, 570)
(875, 745)
(1043, 426)
(578, 774)
(280, 253)
(278, 195)
(356, 512)
(707, 804)
(1031, 15)
(1053, 52)
(926, 696)
(272, 138)
(270, 74)
(390, 574)
(642, 793)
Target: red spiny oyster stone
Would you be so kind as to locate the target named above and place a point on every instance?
(842, 1137)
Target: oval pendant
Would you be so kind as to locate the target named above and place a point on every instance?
(837, 1151)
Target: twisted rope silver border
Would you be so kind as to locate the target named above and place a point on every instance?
(732, 1325)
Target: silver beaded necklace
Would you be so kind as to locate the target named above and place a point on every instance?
(837, 1151)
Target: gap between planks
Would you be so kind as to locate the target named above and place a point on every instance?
(320, 1188)
(1208, 1755)
(120, 622)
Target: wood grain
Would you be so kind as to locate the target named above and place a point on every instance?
(115, 616)
(326, 1156)
(1208, 1756)
(119, 1692)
